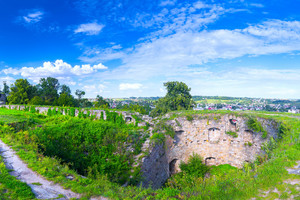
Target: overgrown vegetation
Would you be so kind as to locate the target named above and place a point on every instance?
(194, 166)
(232, 133)
(178, 97)
(256, 126)
(225, 182)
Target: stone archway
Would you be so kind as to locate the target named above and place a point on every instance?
(210, 161)
(174, 167)
(128, 119)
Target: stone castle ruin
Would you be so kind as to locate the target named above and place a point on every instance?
(218, 139)
(209, 136)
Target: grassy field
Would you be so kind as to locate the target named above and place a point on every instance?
(226, 182)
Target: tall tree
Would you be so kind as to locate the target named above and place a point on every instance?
(65, 89)
(178, 97)
(65, 100)
(49, 87)
(5, 88)
(21, 92)
(100, 102)
(80, 93)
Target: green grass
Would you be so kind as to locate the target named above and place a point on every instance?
(14, 116)
(222, 169)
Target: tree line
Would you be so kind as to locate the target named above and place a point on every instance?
(48, 92)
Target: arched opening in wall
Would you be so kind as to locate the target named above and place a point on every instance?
(128, 119)
(213, 129)
(174, 166)
(214, 135)
(233, 121)
(179, 132)
(210, 161)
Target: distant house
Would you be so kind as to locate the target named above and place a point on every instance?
(2, 99)
(294, 111)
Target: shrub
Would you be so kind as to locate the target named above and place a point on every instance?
(157, 138)
(189, 118)
(233, 134)
(248, 144)
(32, 109)
(194, 166)
(256, 126)
(72, 112)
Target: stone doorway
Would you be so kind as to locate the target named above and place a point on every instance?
(174, 167)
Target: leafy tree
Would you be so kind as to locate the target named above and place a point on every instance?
(178, 97)
(36, 100)
(85, 103)
(5, 88)
(49, 87)
(100, 102)
(21, 92)
(79, 93)
(65, 89)
(65, 100)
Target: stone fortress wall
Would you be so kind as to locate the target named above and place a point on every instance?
(206, 136)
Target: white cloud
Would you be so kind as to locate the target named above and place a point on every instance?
(99, 66)
(186, 18)
(167, 3)
(92, 55)
(11, 71)
(130, 86)
(94, 89)
(89, 28)
(258, 5)
(171, 55)
(59, 68)
(276, 30)
(33, 17)
(9, 80)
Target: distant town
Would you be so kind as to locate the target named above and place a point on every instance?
(217, 103)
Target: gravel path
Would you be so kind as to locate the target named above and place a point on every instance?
(42, 188)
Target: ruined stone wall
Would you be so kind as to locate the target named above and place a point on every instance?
(206, 136)
(44, 109)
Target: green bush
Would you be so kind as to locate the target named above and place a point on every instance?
(194, 166)
(158, 138)
(233, 134)
(189, 118)
(32, 109)
(256, 126)
(248, 144)
(90, 146)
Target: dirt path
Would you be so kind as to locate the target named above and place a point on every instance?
(42, 188)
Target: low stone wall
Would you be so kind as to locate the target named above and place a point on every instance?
(207, 137)
(44, 109)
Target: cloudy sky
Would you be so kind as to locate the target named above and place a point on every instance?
(123, 48)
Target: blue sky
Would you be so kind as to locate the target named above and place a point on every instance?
(123, 48)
